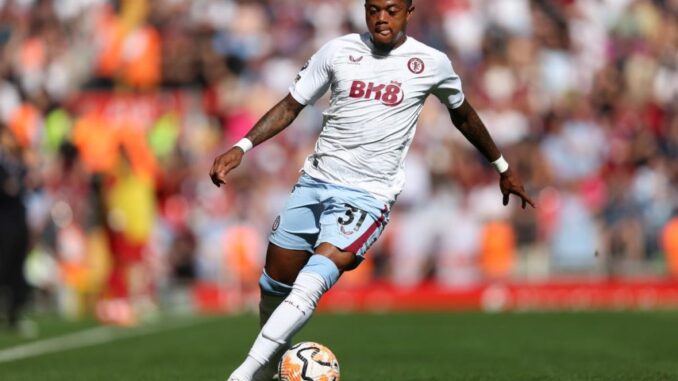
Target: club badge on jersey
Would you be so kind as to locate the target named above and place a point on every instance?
(416, 65)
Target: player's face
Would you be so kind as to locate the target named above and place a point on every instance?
(387, 22)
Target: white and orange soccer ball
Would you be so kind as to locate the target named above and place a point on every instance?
(309, 361)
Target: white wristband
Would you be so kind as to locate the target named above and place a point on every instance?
(501, 165)
(244, 144)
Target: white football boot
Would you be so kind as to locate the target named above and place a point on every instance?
(236, 378)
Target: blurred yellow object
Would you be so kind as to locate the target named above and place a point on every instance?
(98, 260)
(132, 202)
(133, 12)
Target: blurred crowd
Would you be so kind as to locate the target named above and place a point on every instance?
(111, 113)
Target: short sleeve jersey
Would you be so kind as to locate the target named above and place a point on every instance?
(374, 106)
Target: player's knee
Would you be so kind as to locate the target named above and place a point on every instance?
(324, 268)
(284, 265)
(343, 260)
(273, 287)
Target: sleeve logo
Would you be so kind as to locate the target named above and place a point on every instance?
(302, 69)
(416, 65)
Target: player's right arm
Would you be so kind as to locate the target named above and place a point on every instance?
(274, 121)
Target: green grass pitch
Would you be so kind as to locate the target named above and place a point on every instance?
(613, 346)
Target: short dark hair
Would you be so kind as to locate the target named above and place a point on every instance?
(408, 2)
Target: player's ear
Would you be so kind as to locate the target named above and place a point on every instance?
(410, 10)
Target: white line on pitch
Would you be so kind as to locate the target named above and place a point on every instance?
(86, 338)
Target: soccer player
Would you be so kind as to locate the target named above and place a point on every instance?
(379, 81)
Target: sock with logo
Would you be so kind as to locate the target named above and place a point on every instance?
(319, 274)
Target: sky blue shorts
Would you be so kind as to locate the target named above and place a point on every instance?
(318, 212)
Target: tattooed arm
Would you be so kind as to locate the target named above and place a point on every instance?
(469, 124)
(274, 121)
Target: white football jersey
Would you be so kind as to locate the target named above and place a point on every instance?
(374, 106)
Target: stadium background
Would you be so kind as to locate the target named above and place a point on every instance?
(117, 109)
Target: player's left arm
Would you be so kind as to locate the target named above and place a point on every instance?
(467, 121)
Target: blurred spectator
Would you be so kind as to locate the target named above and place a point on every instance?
(14, 235)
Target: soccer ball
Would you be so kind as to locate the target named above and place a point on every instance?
(309, 361)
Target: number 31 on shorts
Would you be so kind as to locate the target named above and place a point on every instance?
(352, 219)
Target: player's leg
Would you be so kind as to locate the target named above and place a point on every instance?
(315, 278)
(291, 244)
(346, 230)
(282, 267)
(319, 274)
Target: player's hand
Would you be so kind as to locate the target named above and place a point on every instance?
(509, 184)
(224, 163)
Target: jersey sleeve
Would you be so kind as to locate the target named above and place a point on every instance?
(315, 76)
(448, 89)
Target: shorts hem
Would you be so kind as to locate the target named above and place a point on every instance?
(343, 249)
(287, 247)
